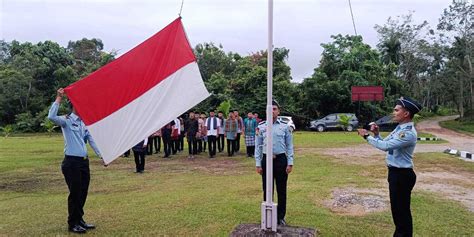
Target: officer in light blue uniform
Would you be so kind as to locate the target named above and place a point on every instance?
(399, 145)
(282, 158)
(75, 166)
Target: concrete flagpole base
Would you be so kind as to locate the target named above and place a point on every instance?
(254, 230)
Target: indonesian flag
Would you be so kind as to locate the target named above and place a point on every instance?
(133, 96)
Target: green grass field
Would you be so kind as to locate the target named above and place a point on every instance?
(206, 197)
(462, 127)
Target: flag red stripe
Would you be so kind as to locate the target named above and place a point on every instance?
(131, 75)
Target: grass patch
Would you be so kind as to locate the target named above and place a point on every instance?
(205, 197)
(466, 127)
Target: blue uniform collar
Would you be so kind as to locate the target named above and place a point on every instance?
(74, 117)
(406, 125)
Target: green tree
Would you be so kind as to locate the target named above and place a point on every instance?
(458, 22)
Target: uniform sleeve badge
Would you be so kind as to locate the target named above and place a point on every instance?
(401, 135)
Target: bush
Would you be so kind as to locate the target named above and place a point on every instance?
(25, 122)
(443, 111)
(425, 113)
(7, 130)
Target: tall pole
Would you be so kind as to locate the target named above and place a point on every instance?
(269, 210)
(352, 15)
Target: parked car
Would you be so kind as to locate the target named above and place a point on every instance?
(287, 120)
(386, 123)
(333, 121)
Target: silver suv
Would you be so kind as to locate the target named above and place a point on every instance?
(333, 121)
(287, 120)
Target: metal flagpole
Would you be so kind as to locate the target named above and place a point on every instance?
(269, 209)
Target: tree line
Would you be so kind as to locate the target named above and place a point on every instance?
(432, 64)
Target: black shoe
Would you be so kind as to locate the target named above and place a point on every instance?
(282, 222)
(77, 229)
(86, 226)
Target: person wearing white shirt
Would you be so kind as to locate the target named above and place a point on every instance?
(176, 132)
(212, 125)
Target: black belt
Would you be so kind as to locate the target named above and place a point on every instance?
(76, 157)
(392, 168)
(277, 155)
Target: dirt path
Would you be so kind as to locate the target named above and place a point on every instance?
(456, 140)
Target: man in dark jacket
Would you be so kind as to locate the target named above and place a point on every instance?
(190, 129)
(166, 135)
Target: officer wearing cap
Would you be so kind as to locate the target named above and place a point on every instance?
(399, 145)
(282, 158)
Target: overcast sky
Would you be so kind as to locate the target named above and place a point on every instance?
(239, 25)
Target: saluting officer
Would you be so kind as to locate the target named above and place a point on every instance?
(75, 166)
(399, 146)
(282, 158)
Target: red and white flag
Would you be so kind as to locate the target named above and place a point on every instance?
(133, 96)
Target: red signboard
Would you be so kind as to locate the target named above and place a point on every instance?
(367, 93)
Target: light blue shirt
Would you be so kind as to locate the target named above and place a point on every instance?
(282, 141)
(399, 144)
(75, 133)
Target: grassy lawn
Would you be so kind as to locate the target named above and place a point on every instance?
(178, 197)
(462, 127)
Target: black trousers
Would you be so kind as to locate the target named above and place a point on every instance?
(167, 146)
(157, 142)
(151, 141)
(181, 142)
(230, 147)
(401, 182)
(281, 179)
(77, 175)
(199, 145)
(220, 142)
(250, 150)
(237, 142)
(192, 145)
(212, 145)
(174, 145)
(127, 153)
(139, 160)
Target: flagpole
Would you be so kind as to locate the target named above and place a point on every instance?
(269, 208)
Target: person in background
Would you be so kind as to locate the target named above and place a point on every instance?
(212, 124)
(139, 152)
(203, 132)
(175, 132)
(157, 141)
(259, 120)
(181, 134)
(231, 133)
(166, 136)
(149, 148)
(199, 135)
(240, 129)
(190, 129)
(250, 125)
(220, 135)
